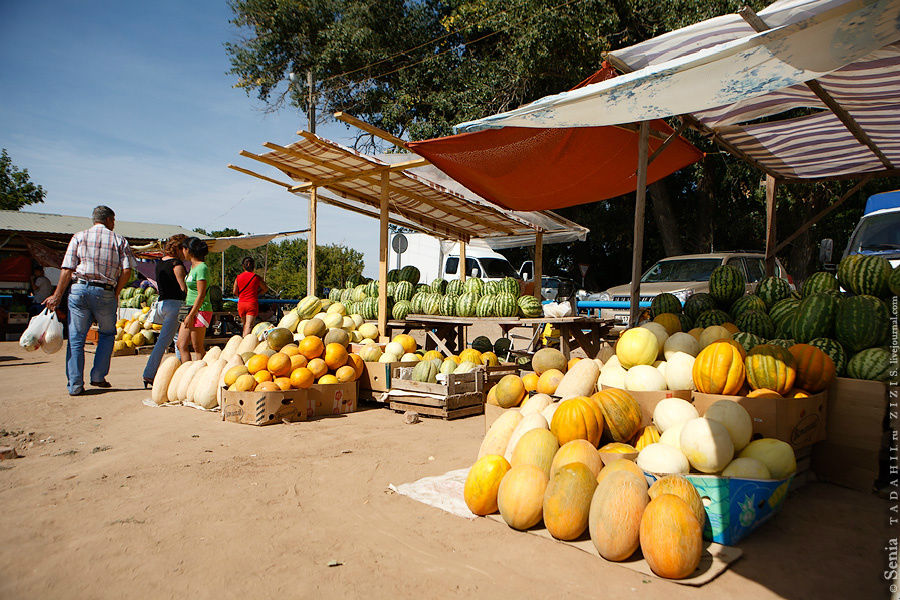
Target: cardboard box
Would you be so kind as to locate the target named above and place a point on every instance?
(797, 421)
(854, 437)
(266, 408)
(492, 412)
(648, 401)
(734, 506)
(377, 375)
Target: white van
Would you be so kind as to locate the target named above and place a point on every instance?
(436, 259)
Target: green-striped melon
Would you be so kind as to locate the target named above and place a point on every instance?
(865, 275)
(773, 289)
(466, 305)
(505, 305)
(665, 303)
(745, 303)
(448, 306)
(403, 291)
(833, 349)
(873, 364)
(784, 343)
(474, 285)
(454, 287)
(711, 317)
(697, 304)
(726, 284)
(747, 340)
(485, 306)
(860, 323)
(815, 317)
(401, 310)
(819, 283)
(509, 285)
(894, 281)
(756, 322)
(530, 307)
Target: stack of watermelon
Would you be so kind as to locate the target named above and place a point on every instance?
(138, 297)
(851, 326)
(473, 297)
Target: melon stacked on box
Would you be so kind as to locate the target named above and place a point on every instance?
(473, 297)
(136, 332)
(309, 345)
(540, 461)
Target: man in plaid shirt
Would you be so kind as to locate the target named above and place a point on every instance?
(98, 262)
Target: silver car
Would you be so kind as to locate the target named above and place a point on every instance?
(684, 276)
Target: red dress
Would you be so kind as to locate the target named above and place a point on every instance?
(248, 293)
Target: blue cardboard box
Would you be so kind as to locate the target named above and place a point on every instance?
(734, 506)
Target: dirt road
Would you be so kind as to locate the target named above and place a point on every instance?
(114, 499)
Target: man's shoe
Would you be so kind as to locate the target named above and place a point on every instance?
(101, 384)
(77, 392)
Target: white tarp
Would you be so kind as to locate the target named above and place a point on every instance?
(246, 242)
(826, 35)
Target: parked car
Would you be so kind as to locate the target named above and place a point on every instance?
(553, 287)
(878, 231)
(684, 276)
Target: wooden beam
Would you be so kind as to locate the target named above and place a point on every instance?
(822, 214)
(461, 267)
(839, 111)
(538, 264)
(311, 245)
(370, 129)
(636, 128)
(672, 137)
(402, 166)
(640, 201)
(257, 175)
(383, 252)
(374, 215)
(374, 180)
(771, 191)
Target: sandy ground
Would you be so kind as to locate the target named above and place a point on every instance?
(115, 499)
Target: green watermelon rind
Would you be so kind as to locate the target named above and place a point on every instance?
(815, 317)
(873, 364)
(772, 289)
(860, 324)
(726, 284)
(835, 350)
(698, 303)
(819, 283)
(711, 317)
(745, 303)
(756, 322)
(665, 303)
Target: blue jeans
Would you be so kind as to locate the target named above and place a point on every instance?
(88, 304)
(167, 311)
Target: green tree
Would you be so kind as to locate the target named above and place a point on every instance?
(16, 188)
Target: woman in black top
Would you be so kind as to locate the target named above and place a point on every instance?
(170, 276)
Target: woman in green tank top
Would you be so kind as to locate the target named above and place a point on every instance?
(193, 328)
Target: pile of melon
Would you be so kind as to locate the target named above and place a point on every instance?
(268, 360)
(136, 332)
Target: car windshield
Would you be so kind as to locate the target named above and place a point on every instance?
(496, 267)
(687, 269)
(877, 233)
(549, 283)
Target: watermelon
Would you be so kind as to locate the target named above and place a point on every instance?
(756, 322)
(431, 304)
(894, 281)
(506, 305)
(393, 275)
(466, 305)
(335, 294)
(819, 283)
(687, 323)
(726, 284)
(860, 323)
(409, 273)
(530, 307)
(833, 349)
(347, 296)
(392, 288)
(711, 317)
(503, 346)
(370, 308)
(873, 364)
(815, 317)
(423, 287)
(782, 342)
(401, 310)
(482, 344)
(485, 306)
(439, 286)
(448, 306)
(473, 285)
(371, 289)
(454, 287)
(403, 291)
(865, 274)
(697, 304)
(773, 289)
(665, 303)
(510, 285)
(747, 340)
(745, 303)
(359, 292)
(490, 288)
(785, 328)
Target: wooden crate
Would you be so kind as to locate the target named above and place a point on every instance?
(461, 395)
(492, 375)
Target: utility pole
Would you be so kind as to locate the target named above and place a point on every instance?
(311, 236)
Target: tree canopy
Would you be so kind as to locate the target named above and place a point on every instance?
(16, 188)
(417, 68)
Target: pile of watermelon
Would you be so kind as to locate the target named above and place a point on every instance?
(847, 316)
(473, 297)
(138, 297)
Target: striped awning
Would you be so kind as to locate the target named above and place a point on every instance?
(837, 60)
(350, 180)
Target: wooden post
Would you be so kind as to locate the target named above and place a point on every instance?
(383, 254)
(266, 262)
(311, 246)
(637, 253)
(538, 264)
(771, 187)
(223, 273)
(461, 269)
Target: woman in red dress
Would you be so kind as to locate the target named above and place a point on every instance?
(247, 287)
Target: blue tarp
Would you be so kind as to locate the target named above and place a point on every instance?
(882, 201)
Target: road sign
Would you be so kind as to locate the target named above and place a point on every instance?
(399, 243)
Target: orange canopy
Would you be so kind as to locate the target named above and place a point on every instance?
(525, 168)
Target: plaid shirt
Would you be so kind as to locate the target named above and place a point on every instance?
(98, 254)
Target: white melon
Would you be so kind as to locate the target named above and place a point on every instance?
(672, 411)
(706, 444)
(660, 332)
(681, 342)
(736, 420)
(662, 459)
(747, 468)
(679, 371)
(644, 378)
(778, 456)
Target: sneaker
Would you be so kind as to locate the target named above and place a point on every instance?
(101, 384)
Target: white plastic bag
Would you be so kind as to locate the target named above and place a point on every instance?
(31, 337)
(53, 336)
(151, 315)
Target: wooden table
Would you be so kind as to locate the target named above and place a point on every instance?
(449, 333)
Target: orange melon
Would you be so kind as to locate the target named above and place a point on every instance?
(619, 465)
(567, 501)
(684, 489)
(263, 376)
(509, 391)
(763, 393)
(345, 374)
(290, 350)
(297, 361)
(580, 451)
(520, 497)
(279, 364)
(311, 347)
(318, 367)
(283, 383)
(244, 383)
(357, 363)
(483, 484)
(335, 356)
(302, 378)
(614, 521)
(267, 386)
(536, 447)
(549, 381)
(530, 381)
(327, 380)
(572, 362)
(256, 363)
(577, 418)
(407, 341)
(670, 321)
(671, 537)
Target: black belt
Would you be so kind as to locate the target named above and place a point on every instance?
(105, 286)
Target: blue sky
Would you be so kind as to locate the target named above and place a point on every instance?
(129, 104)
